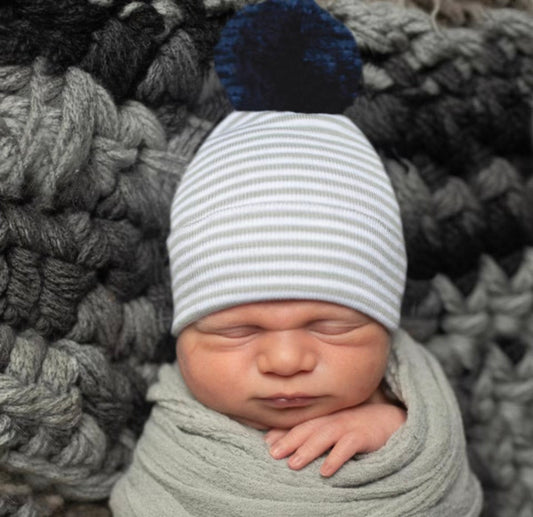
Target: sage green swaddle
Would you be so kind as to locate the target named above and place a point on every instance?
(192, 461)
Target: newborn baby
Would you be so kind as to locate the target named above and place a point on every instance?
(288, 268)
(309, 371)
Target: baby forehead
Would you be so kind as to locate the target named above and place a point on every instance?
(281, 312)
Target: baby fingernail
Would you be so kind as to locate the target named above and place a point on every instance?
(276, 451)
(295, 461)
(326, 470)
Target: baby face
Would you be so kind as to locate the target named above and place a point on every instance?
(280, 363)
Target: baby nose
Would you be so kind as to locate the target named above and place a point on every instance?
(286, 354)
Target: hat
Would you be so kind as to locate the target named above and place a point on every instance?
(286, 198)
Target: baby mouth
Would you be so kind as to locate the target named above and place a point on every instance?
(288, 401)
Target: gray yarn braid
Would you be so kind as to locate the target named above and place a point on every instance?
(84, 299)
(93, 137)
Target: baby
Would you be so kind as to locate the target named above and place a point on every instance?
(288, 268)
(309, 371)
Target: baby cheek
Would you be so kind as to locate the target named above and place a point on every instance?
(189, 365)
(365, 370)
(377, 360)
(205, 377)
(375, 356)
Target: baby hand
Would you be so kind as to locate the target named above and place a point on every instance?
(364, 428)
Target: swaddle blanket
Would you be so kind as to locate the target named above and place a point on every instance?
(192, 461)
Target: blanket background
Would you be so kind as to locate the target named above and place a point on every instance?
(102, 105)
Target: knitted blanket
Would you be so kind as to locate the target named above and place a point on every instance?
(192, 461)
(102, 105)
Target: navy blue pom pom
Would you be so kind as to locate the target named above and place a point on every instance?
(288, 55)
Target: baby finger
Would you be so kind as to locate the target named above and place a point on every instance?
(274, 435)
(312, 448)
(349, 445)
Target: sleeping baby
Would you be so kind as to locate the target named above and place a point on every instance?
(288, 267)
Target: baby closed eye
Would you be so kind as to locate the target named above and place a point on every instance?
(332, 329)
(249, 331)
(238, 332)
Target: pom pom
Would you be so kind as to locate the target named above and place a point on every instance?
(288, 55)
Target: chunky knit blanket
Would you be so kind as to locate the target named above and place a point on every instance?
(193, 461)
(102, 105)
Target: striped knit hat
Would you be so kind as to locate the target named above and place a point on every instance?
(279, 205)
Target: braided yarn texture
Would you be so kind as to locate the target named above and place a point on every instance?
(103, 104)
(87, 175)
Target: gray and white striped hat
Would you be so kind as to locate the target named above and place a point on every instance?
(283, 205)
